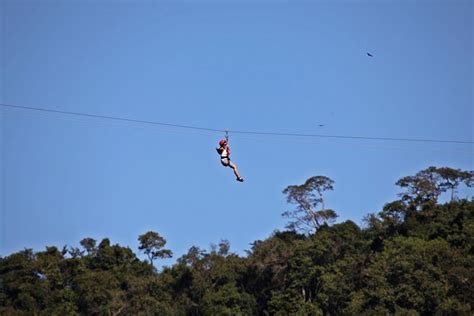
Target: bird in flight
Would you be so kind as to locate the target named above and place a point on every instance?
(370, 55)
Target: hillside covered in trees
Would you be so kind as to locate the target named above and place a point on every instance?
(414, 257)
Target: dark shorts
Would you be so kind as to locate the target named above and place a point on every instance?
(227, 163)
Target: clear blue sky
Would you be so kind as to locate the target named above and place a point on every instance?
(276, 66)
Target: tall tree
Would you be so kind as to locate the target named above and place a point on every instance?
(427, 185)
(151, 243)
(308, 197)
(89, 245)
(420, 188)
(451, 178)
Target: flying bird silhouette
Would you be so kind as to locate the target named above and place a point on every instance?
(370, 55)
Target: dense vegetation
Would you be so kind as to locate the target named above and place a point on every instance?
(415, 257)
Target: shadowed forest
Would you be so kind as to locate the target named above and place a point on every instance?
(414, 257)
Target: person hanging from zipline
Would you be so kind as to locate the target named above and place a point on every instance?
(224, 152)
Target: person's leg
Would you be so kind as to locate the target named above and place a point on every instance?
(236, 171)
(225, 162)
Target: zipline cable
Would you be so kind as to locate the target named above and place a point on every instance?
(361, 146)
(270, 139)
(110, 117)
(235, 131)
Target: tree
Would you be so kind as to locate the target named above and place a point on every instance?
(408, 260)
(222, 249)
(307, 198)
(89, 245)
(427, 185)
(151, 243)
(451, 178)
(228, 300)
(420, 188)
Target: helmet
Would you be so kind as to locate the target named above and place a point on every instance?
(222, 142)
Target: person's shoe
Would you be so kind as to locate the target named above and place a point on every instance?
(240, 179)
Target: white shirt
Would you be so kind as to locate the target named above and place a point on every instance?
(224, 153)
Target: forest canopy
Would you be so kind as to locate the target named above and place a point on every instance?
(413, 257)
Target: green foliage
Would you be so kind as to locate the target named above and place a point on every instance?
(291, 302)
(414, 257)
(152, 245)
(228, 300)
(427, 185)
(307, 197)
(89, 246)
